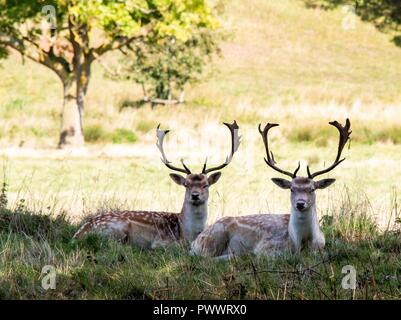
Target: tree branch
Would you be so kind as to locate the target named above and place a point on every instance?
(30, 49)
(117, 43)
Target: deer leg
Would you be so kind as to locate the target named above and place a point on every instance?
(318, 244)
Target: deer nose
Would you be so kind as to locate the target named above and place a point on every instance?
(300, 205)
(195, 195)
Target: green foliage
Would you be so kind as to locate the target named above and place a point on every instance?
(114, 18)
(165, 65)
(116, 21)
(3, 53)
(80, 31)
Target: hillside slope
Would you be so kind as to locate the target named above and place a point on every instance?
(285, 52)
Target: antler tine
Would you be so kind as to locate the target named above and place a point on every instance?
(185, 167)
(345, 133)
(235, 142)
(204, 166)
(160, 134)
(297, 169)
(270, 157)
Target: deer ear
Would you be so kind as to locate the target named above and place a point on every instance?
(324, 183)
(282, 183)
(180, 180)
(213, 178)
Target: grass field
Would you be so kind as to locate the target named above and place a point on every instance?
(285, 63)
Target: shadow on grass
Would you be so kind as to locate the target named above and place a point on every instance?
(36, 226)
(98, 268)
(94, 267)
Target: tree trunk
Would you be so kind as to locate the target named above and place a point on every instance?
(71, 126)
(181, 99)
(75, 87)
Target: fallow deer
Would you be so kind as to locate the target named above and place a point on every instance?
(149, 229)
(274, 233)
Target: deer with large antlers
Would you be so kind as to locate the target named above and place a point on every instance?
(273, 233)
(149, 229)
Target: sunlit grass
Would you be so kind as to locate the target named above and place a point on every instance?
(137, 179)
(285, 64)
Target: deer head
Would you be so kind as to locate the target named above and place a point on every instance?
(197, 185)
(303, 188)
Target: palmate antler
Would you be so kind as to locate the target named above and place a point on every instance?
(345, 133)
(270, 158)
(235, 142)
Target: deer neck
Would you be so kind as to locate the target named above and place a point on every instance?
(193, 220)
(303, 226)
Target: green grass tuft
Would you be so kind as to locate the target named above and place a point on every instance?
(95, 133)
(124, 136)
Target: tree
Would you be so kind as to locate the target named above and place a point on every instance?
(67, 36)
(384, 14)
(164, 66)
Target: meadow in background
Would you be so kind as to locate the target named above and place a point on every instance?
(284, 63)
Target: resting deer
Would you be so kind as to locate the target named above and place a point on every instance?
(149, 229)
(272, 233)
